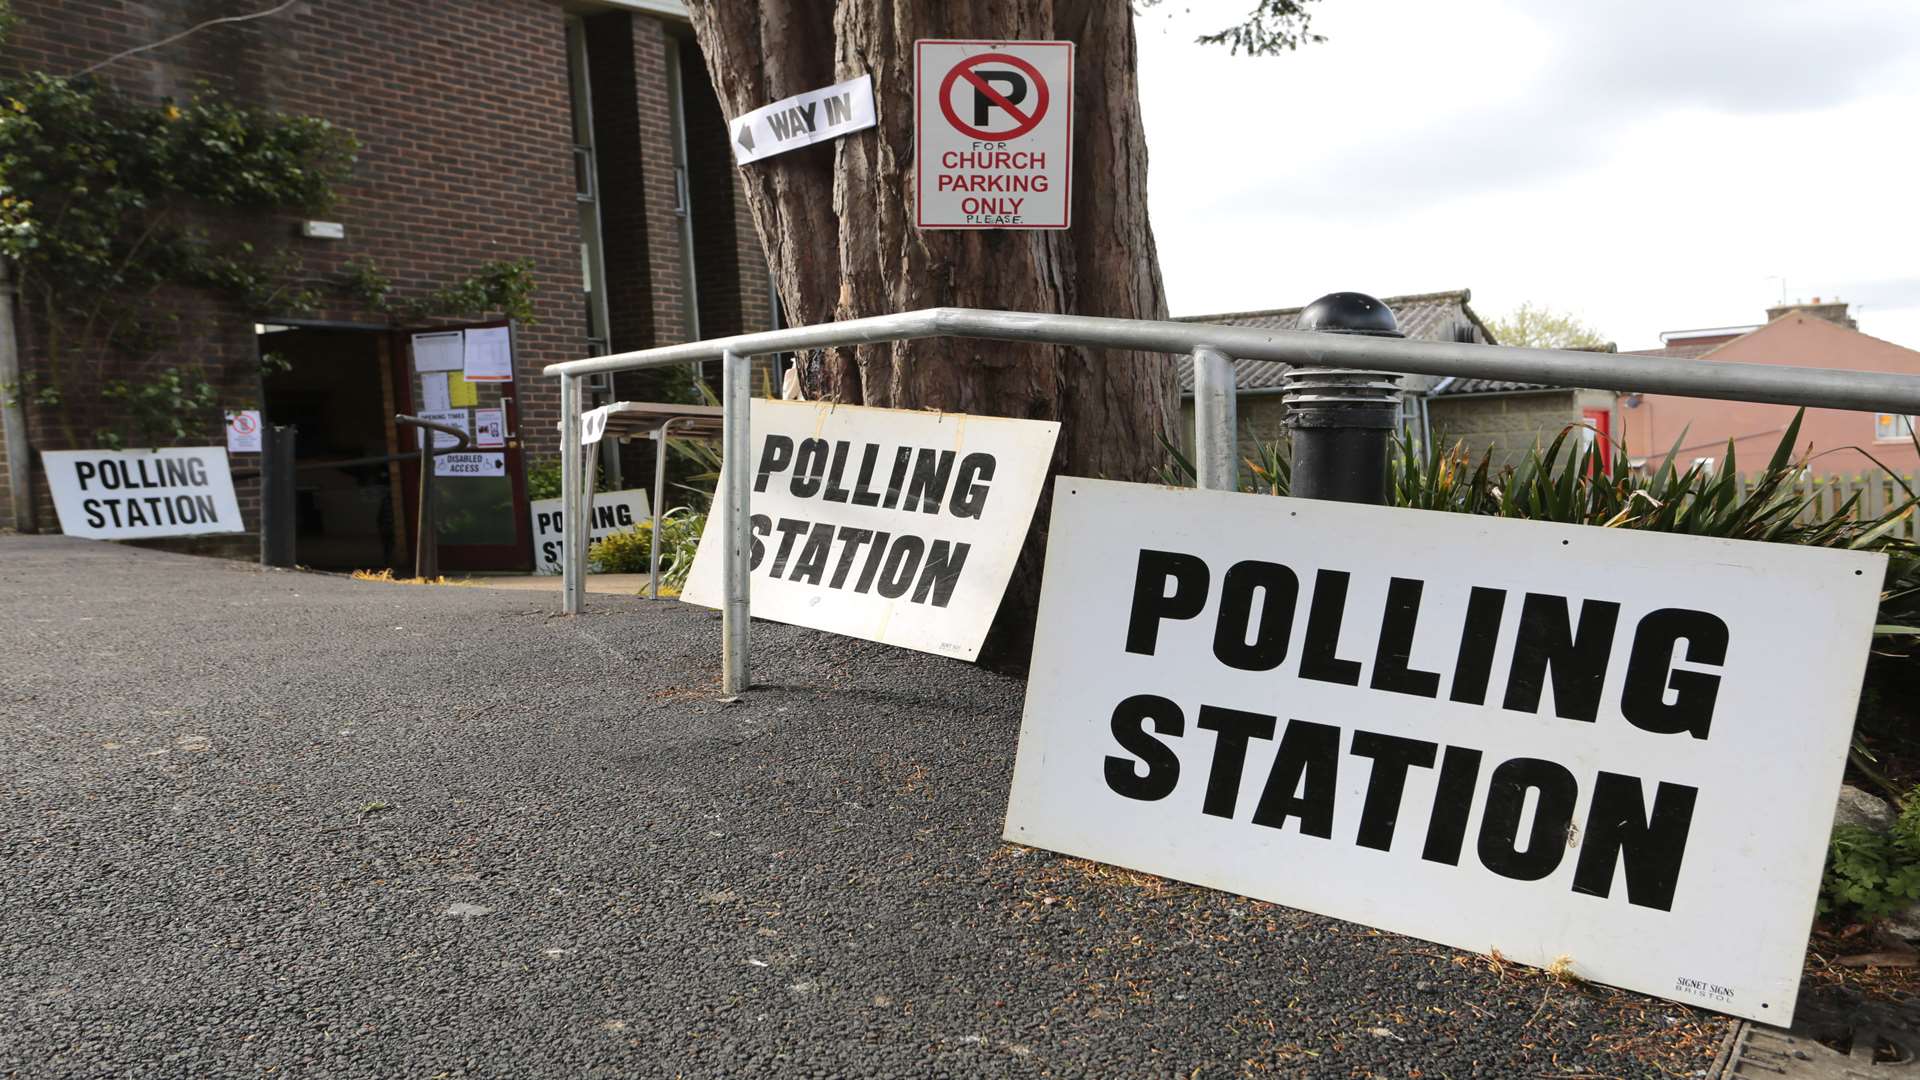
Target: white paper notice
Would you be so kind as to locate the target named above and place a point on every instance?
(243, 431)
(441, 350)
(489, 354)
(489, 428)
(433, 392)
(452, 418)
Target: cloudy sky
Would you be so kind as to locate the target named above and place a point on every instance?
(1647, 165)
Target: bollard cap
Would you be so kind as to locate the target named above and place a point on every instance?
(1349, 313)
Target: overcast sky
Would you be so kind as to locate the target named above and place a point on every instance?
(1645, 165)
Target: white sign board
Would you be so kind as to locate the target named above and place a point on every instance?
(993, 134)
(243, 431)
(1617, 747)
(454, 418)
(489, 428)
(804, 119)
(470, 465)
(134, 494)
(613, 511)
(439, 350)
(593, 424)
(886, 524)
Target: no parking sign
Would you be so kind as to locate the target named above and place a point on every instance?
(993, 134)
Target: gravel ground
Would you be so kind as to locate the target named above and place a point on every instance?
(286, 824)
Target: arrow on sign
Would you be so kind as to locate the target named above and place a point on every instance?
(746, 137)
(803, 120)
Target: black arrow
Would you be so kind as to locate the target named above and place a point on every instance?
(746, 137)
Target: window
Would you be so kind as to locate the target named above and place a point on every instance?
(1892, 427)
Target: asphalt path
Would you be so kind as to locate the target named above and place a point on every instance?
(269, 823)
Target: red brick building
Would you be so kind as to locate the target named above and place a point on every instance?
(583, 137)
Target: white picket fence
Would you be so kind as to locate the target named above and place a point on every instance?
(1879, 492)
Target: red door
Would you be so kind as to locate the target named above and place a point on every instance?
(1600, 421)
(479, 497)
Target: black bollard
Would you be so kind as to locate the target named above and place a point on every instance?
(1342, 419)
(277, 511)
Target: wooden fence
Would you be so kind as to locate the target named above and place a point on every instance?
(1879, 492)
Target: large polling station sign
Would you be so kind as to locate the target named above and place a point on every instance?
(886, 524)
(804, 119)
(993, 134)
(135, 494)
(1617, 748)
(613, 511)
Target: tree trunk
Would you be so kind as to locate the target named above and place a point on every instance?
(837, 221)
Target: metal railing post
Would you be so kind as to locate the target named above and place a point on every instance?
(1215, 453)
(736, 439)
(1342, 419)
(572, 588)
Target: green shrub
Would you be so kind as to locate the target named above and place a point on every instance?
(1873, 874)
(543, 479)
(630, 551)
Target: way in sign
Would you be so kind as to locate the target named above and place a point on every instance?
(804, 119)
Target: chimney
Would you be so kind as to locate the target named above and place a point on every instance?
(1834, 312)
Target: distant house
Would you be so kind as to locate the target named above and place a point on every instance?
(1818, 334)
(1508, 418)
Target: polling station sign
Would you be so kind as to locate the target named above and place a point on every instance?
(136, 494)
(886, 524)
(1619, 748)
(993, 134)
(613, 511)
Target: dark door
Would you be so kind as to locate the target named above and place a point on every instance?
(480, 497)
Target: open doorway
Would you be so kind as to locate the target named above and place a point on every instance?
(332, 386)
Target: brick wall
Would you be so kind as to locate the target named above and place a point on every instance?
(1508, 424)
(461, 107)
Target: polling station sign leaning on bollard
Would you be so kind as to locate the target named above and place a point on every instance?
(892, 525)
(1621, 748)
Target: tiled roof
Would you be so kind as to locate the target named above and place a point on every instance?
(1687, 351)
(1427, 316)
(1484, 386)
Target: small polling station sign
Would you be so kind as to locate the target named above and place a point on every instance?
(1614, 749)
(993, 134)
(887, 524)
(137, 494)
(613, 511)
(804, 119)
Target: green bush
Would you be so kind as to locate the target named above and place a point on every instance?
(1873, 874)
(543, 479)
(630, 551)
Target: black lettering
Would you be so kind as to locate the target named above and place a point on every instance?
(970, 487)
(834, 492)
(1618, 830)
(941, 572)
(546, 522)
(790, 530)
(761, 525)
(1151, 600)
(1500, 821)
(775, 455)
(872, 566)
(623, 515)
(1015, 92)
(898, 481)
(1232, 728)
(84, 471)
(1577, 658)
(809, 465)
(1452, 804)
(1306, 750)
(812, 563)
(205, 505)
(1317, 658)
(851, 540)
(931, 470)
(1651, 674)
(1392, 757)
(1129, 730)
(135, 516)
(862, 495)
(197, 472)
(1478, 637)
(1395, 651)
(1279, 592)
(902, 561)
(92, 507)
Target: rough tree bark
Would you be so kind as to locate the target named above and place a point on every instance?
(837, 221)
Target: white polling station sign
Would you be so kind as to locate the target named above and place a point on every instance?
(886, 524)
(993, 134)
(613, 511)
(1616, 747)
(135, 494)
(804, 119)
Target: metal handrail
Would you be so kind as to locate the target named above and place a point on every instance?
(1213, 349)
(426, 547)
